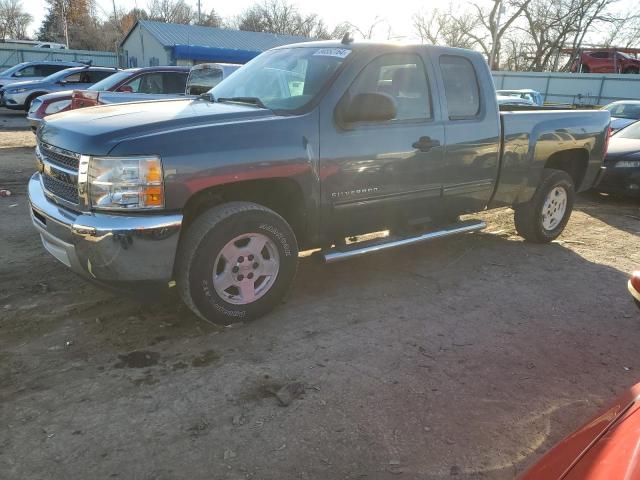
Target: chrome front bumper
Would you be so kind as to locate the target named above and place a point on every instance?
(104, 246)
(34, 122)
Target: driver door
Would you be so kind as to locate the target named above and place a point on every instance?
(379, 175)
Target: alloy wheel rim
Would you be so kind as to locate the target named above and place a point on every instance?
(246, 268)
(554, 208)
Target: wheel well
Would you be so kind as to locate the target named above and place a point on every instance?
(573, 161)
(282, 195)
(31, 97)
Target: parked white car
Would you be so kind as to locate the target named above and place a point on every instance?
(506, 100)
(51, 45)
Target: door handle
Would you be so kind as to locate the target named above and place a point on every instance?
(424, 144)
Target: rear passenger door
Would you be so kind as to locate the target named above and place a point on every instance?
(383, 173)
(472, 133)
(75, 80)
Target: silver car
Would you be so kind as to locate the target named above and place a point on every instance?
(28, 71)
(19, 95)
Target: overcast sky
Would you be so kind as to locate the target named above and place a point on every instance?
(359, 12)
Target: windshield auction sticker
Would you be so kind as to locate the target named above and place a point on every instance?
(333, 52)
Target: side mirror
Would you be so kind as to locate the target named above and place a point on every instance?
(126, 89)
(369, 107)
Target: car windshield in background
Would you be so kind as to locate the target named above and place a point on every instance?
(10, 71)
(283, 80)
(109, 82)
(625, 110)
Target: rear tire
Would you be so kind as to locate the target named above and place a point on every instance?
(632, 70)
(543, 218)
(236, 262)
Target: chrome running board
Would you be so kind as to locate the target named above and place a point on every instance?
(356, 250)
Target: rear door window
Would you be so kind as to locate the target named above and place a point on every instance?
(47, 70)
(159, 83)
(460, 87)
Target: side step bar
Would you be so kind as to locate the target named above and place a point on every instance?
(355, 250)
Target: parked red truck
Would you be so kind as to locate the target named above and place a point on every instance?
(606, 60)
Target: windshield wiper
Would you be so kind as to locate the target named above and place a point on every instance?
(250, 100)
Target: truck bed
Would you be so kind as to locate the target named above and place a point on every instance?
(536, 139)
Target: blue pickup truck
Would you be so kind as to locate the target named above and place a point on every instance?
(304, 147)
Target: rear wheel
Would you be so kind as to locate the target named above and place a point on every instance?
(236, 262)
(543, 218)
(632, 70)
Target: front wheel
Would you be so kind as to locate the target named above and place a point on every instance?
(543, 218)
(236, 262)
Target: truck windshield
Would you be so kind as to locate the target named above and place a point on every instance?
(283, 80)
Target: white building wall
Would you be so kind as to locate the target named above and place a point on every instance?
(573, 88)
(141, 49)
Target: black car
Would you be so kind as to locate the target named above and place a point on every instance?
(622, 163)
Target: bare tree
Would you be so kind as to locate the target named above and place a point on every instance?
(280, 17)
(554, 28)
(446, 28)
(368, 32)
(211, 19)
(170, 11)
(496, 21)
(13, 20)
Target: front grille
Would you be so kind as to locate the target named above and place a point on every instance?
(56, 156)
(65, 191)
(60, 172)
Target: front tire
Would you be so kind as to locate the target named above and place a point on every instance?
(543, 218)
(236, 262)
(27, 103)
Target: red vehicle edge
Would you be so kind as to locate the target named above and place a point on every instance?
(605, 448)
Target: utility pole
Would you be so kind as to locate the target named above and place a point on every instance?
(199, 15)
(496, 30)
(65, 21)
(115, 14)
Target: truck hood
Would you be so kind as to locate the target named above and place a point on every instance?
(96, 130)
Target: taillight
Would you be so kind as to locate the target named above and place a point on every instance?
(606, 141)
(635, 281)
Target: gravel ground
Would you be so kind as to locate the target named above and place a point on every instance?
(464, 358)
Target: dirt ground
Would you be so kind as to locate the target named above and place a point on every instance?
(464, 358)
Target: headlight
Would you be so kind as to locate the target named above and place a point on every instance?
(55, 107)
(35, 105)
(628, 164)
(126, 183)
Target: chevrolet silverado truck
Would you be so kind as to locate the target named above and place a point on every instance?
(308, 146)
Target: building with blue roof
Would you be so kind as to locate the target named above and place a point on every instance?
(151, 43)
